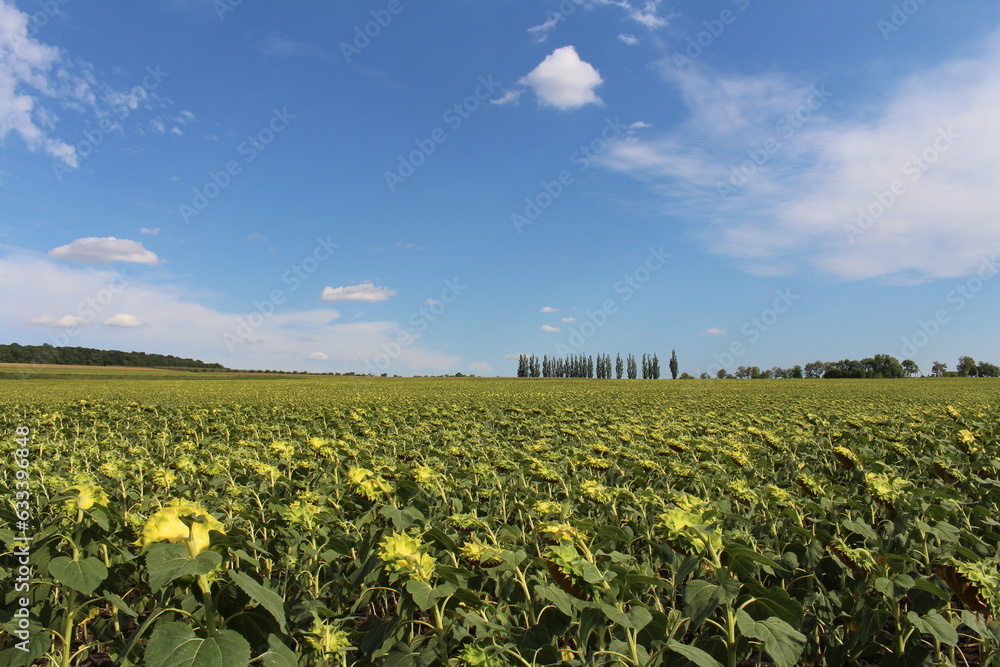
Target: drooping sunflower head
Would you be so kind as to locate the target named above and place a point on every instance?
(167, 525)
(595, 491)
(87, 495)
(486, 555)
(547, 507)
(560, 532)
(368, 484)
(403, 553)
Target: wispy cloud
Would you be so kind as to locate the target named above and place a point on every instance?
(778, 180)
(648, 14)
(280, 46)
(36, 79)
(64, 322)
(364, 292)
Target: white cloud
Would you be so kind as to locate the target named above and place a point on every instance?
(28, 73)
(801, 208)
(712, 332)
(631, 40)
(35, 77)
(564, 81)
(105, 250)
(512, 356)
(123, 320)
(550, 329)
(64, 322)
(363, 292)
(541, 31)
(152, 232)
(176, 323)
(508, 97)
(549, 309)
(318, 356)
(647, 14)
(639, 125)
(569, 319)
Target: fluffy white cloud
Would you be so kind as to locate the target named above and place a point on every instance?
(564, 81)
(549, 309)
(64, 322)
(712, 332)
(123, 320)
(151, 232)
(363, 292)
(318, 356)
(105, 250)
(550, 329)
(903, 191)
(569, 319)
(631, 40)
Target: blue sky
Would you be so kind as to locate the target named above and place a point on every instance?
(423, 188)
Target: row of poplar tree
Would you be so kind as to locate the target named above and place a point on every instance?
(584, 366)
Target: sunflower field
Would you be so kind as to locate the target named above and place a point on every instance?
(227, 521)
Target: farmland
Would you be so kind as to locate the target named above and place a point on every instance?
(205, 520)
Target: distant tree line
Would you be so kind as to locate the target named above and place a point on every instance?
(602, 368)
(86, 356)
(879, 366)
